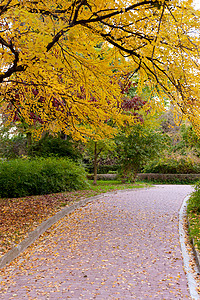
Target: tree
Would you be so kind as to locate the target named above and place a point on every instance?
(131, 105)
(49, 59)
(49, 146)
(141, 145)
(98, 150)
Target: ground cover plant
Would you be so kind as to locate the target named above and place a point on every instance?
(193, 212)
(18, 216)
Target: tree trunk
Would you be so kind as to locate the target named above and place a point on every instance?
(95, 163)
(63, 136)
(128, 174)
(29, 140)
(133, 177)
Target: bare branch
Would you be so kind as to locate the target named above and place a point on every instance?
(14, 68)
(97, 18)
(4, 8)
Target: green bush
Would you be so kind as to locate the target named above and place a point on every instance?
(193, 214)
(49, 146)
(194, 201)
(14, 147)
(172, 166)
(40, 176)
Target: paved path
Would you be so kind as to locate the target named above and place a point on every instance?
(124, 246)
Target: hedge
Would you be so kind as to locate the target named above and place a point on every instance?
(103, 169)
(22, 177)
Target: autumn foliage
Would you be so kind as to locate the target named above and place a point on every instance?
(62, 61)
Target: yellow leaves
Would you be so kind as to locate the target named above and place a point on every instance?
(161, 44)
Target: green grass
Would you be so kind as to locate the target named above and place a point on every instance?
(104, 186)
(194, 228)
(193, 213)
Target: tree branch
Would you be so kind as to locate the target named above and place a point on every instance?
(4, 8)
(14, 68)
(97, 18)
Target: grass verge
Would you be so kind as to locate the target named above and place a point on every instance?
(193, 214)
(18, 216)
(194, 229)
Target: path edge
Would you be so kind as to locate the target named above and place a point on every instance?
(192, 284)
(35, 234)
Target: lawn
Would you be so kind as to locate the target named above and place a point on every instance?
(193, 214)
(18, 216)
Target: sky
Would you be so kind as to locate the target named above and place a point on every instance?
(197, 3)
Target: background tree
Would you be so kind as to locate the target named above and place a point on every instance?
(96, 151)
(135, 149)
(182, 153)
(131, 105)
(50, 145)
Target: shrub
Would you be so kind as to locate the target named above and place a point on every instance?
(40, 176)
(172, 166)
(49, 146)
(14, 147)
(141, 145)
(193, 214)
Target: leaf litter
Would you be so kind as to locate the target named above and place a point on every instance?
(121, 266)
(19, 216)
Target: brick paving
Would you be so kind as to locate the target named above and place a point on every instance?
(123, 246)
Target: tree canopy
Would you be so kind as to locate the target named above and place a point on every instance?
(63, 63)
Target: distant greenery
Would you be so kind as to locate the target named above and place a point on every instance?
(126, 154)
(54, 146)
(13, 147)
(137, 148)
(17, 145)
(23, 177)
(174, 180)
(183, 154)
(172, 165)
(103, 169)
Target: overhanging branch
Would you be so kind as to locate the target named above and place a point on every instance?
(14, 68)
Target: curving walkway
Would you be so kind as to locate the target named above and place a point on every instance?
(124, 246)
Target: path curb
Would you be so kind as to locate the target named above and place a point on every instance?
(32, 236)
